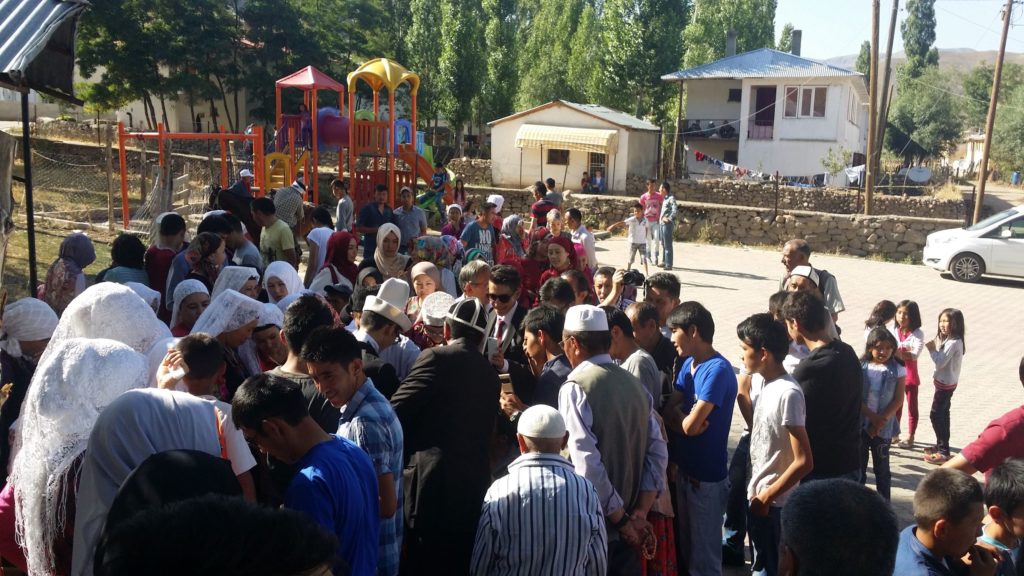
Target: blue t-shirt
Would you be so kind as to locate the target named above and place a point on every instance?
(371, 217)
(337, 487)
(913, 559)
(438, 180)
(482, 239)
(705, 456)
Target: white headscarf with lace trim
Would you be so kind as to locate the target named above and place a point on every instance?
(284, 272)
(27, 319)
(233, 278)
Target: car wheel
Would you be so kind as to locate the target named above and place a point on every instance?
(967, 267)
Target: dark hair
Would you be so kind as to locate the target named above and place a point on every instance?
(575, 214)
(303, 316)
(693, 314)
(320, 215)
(1004, 486)
(665, 282)
(1020, 370)
(380, 188)
(840, 528)
(775, 302)
(207, 243)
(487, 206)
(956, 325)
(593, 343)
(763, 332)
(605, 271)
(806, 309)
(645, 312)
(359, 296)
(577, 280)
(338, 183)
(331, 345)
(557, 290)
(202, 353)
(372, 321)
(221, 534)
(878, 335)
(266, 396)
(881, 314)
(263, 206)
(617, 318)
(172, 223)
(506, 276)
(666, 186)
(539, 189)
(913, 313)
(128, 251)
(550, 182)
(216, 224)
(545, 318)
(945, 493)
(637, 206)
(234, 221)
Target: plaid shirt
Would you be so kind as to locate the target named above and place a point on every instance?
(370, 422)
(288, 204)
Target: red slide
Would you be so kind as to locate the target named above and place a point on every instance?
(425, 172)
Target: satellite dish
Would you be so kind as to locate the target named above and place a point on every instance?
(919, 175)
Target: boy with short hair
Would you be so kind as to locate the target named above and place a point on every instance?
(780, 453)
(636, 235)
(948, 509)
(345, 210)
(1004, 503)
(276, 241)
(158, 257)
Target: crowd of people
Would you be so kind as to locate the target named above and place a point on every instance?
(490, 400)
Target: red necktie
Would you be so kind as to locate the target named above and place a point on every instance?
(500, 333)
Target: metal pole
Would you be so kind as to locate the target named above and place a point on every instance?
(883, 114)
(869, 180)
(30, 218)
(979, 199)
(110, 177)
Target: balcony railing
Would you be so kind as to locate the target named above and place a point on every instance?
(755, 132)
(718, 129)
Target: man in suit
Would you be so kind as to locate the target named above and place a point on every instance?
(447, 406)
(381, 320)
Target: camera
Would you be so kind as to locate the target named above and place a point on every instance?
(633, 278)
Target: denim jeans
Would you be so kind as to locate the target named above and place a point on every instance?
(736, 507)
(654, 241)
(699, 509)
(940, 419)
(765, 534)
(666, 242)
(878, 448)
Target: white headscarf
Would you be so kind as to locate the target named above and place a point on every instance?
(183, 290)
(284, 272)
(68, 391)
(152, 297)
(233, 278)
(229, 311)
(110, 310)
(27, 319)
(271, 314)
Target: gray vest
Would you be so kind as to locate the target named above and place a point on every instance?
(621, 412)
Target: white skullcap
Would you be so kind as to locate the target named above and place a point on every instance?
(586, 318)
(541, 421)
(806, 272)
(245, 173)
(27, 319)
(435, 308)
(498, 200)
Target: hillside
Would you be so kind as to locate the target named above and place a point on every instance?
(952, 59)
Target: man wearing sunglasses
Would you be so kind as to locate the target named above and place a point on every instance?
(503, 291)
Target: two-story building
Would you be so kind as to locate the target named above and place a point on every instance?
(772, 111)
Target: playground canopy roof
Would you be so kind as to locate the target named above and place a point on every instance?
(37, 45)
(310, 77)
(565, 138)
(382, 72)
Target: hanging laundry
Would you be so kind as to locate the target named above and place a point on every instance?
(726, 167)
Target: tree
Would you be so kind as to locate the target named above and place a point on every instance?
(586, 58)
(1008, 133)
(704, 36)
(863, 64)
(546, 52)
(501, 81)
(926, 118)
(459, 70)
(785, 39)
(918, 30)
(977, 86)
(424, 51)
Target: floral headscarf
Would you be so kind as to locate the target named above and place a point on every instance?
(432, 249)
(510, 230)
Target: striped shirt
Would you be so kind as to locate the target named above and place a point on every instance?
(540, 519)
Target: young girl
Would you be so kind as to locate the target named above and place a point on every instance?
(323, 227)
(910, 339)
(947, 350)
(881, 315)
(883, 385)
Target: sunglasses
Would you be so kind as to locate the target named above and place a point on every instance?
(503, 298)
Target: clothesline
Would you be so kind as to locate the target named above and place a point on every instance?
(739, 171)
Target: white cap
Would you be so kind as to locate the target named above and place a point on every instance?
(245, 173)
(435, 307)
(586, 318)
(390, 302)
(541, 421)
(806, 272)
(498, 201)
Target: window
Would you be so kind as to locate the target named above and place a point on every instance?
(559, 157)
(806, 102)
(852, 111)
(735, 94)
(730, 156)
(597, 162)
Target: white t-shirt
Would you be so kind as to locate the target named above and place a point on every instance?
(779, 404)
(319, 237)
(876, 378)
(637, 230)
(234, 442)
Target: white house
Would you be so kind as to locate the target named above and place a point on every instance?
(772, 111)
(561, 140)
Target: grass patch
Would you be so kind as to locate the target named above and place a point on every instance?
(948, 191)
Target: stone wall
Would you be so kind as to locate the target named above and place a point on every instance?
(472, 171)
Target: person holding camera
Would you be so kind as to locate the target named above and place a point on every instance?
(615, 287)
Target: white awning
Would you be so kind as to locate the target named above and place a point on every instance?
(565, 138)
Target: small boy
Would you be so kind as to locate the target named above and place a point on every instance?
(159, 256)
(636, 235)
(201, 358)
(1004, 501)
(780, 452)
(948, 509)
(343, 216)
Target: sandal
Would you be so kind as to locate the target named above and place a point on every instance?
(931, 450)
(905, 444)
(895, 440)
(937, 458)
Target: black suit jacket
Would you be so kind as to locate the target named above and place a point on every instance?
(384, 376)
(512, 346)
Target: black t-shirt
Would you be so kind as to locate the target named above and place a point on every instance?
(831, 380)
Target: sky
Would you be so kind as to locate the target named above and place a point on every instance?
(834, 28)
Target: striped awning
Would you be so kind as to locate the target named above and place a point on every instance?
(565, 138)
(37, 44)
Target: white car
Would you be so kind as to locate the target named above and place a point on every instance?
(994, 245)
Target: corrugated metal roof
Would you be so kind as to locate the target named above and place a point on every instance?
(37, 44)
(609, 115)
(763, 63)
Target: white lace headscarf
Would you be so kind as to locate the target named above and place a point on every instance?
(270, 314)
(68, 391)
(183, 290)
(284, 272)
(110, 310)
(27, 319)
(151, 297)
(233, 278)
(229, 311)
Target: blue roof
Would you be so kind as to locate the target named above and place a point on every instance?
(762, 63)
(37, 44)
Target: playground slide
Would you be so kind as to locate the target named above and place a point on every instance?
(425, 170)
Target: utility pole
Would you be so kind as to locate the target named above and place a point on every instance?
(869, 180)
(979, 199)
(883, 111)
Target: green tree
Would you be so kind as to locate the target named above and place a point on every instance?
(977, 86)
(863, 64)
(424, 51)
(586, 58)
(785, 43)
(347, 32)
(918, 30)
(546, 52)
(704, 36)
(499, 85)
(460, 68)
(926, 118)
(1008, 134)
